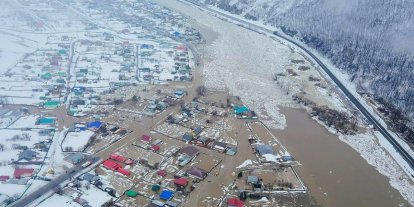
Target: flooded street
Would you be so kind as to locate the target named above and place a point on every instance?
(241, 62)
(335, 173)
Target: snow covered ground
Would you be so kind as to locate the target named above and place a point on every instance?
(76, 140)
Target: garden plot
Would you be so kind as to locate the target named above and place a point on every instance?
(28, 122)
(205, 162)
(164, 147)
(20, 150)
(37, 77)
(7, 117)
(148, 192)
(77, 141)
(265, 137)
(171, 130)
(117, 181)
(161, 62)
(271, 179)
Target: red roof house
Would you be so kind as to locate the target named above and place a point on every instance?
(181, 182)
(117, 157)
(155, 148)
(234, 202)
(146, 138)
(110, 164)
(124, 172)
(23, 172)
(4, 178)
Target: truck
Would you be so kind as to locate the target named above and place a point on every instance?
(86, 164)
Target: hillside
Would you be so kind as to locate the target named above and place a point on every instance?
(370, 40)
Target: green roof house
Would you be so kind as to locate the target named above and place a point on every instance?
(62, 52)
(51, 104)
(46, 76)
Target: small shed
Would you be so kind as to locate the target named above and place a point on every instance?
(146, 138)
(166, 194)
(124, 171)
(235, 202)
(252, 179)
(155, 148)
(23, 172)
(131, 193)
(182, 182)
(162, 173)
(155, 188)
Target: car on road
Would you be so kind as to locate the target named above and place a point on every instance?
(86, 164)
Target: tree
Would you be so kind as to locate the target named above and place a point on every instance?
(240, 174)
(1, 147)
(201, 90)
(134, 98)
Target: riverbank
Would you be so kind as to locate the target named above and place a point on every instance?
(243, 63)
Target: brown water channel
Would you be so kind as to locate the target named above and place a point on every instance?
(334, 172)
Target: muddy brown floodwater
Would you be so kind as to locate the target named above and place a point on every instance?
(335, 173)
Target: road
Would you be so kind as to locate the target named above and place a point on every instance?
(367, 114)
(53, 184)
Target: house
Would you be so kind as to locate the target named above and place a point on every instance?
(51, 104)
(76, 158)
(231, 151)
(219, 146)
(203, 139)
(235, 202)
(124, 172)
(110, 164)
(27, 155)
(44, 132)
(263, 149)
(166, 195)
(197, 172)
(171, 204)
(239, 110)
(190, 151)
(252, 180)
(197, 130)
(95, 125)
(117, 157)
(90, 177)
(23, 172)
(46, 121)
(4, 178)
(181, 182)
(187, 137)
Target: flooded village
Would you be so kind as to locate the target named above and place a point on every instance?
(137, 109)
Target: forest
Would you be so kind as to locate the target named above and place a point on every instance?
(370, 40)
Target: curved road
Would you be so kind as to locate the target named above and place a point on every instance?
(256, 28)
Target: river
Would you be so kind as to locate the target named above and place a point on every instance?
(241, 61)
